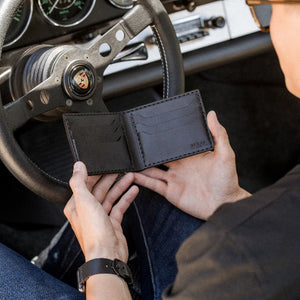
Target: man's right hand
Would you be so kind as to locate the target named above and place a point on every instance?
(199, 184)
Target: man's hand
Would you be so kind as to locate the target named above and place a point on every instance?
(199, 184)
(90, 211)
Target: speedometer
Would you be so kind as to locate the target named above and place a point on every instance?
(66, 13)
(19, 24)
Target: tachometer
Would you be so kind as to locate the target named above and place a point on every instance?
(66, 13)
(19, 23)
(125, 4)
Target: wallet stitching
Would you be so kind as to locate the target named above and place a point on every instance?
(71, 140)
(109, 171)
(165, 100)
(175, 157)
(138, 137)
(200, 150)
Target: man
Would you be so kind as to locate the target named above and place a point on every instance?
(247, 249)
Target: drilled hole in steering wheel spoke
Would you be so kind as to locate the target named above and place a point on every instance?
(45, 97)
(120, 35)
(104, 49)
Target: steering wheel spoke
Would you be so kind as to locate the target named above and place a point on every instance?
(44, 97)
(103, 49)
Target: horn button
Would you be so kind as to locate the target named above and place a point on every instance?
(79, 81)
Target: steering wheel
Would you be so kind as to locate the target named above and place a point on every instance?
(71, 77)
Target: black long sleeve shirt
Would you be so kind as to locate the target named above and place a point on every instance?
(247, 250)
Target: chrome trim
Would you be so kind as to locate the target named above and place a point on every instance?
(25, 27)
(113, 2)
(55, 23)
(4, 74)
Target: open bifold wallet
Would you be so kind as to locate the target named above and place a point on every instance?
(139, 138)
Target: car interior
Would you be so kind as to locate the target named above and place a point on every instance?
(215, 48)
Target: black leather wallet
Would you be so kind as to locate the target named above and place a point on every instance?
(139, 138)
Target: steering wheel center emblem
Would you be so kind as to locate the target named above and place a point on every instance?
(79, 81)
(82, 80)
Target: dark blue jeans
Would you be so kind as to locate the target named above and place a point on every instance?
(154, 229)
(22, 280)
(157, 229)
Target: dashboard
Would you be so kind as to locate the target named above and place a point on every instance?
(210, 33)
(43, 20)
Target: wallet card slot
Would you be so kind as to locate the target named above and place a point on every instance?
(167, 125)
(92, 134)
(91, 127)
(160, 118)
(165, 107)
(176, 144)
(104, 137)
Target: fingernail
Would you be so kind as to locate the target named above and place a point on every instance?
(77, 166)
(212, 112)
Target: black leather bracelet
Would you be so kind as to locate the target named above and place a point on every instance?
(102, 266)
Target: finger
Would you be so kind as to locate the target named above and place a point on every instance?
(117, 191)
(120, 208)
(155, 173)
(219, 133)
(69, 209)
(171, 164)
(91, 181)
(78, 181)
(103, 185)
(153, 184)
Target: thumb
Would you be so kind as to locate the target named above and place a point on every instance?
(78, 181)
(219, 133)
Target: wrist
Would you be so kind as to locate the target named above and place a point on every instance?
(99, 266)
(241, 194)
(107, 286)
(235, 196)
(104, 252)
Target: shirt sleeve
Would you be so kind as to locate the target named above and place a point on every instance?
(212, 266)
(247, 250)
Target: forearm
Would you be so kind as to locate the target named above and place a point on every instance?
(106, 286)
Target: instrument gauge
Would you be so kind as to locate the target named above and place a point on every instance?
(66, 13)
(19, 24)
(124, 4)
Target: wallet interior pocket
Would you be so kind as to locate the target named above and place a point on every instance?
(98, 142)
(150, 117)
(165, 125)
(170, 145)
(113, 152)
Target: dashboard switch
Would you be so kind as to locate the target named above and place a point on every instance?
(216, 22)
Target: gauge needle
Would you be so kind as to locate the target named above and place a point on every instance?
(51, 10)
